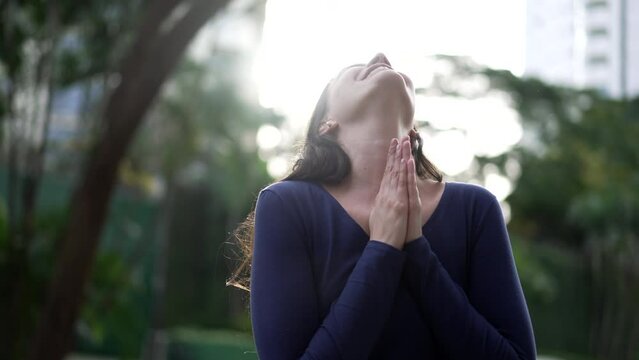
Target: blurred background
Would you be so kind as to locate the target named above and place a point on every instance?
(135, 136)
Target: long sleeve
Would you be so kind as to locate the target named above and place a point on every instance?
(283, 301)
(492, 322)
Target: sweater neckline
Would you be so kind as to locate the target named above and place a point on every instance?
(427, 224)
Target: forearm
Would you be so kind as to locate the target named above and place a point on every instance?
(357, 317)
(458, 326)
(283, 319)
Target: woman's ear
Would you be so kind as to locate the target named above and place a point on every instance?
(328, 126)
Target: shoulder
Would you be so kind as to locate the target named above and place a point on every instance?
(483, 211)
(472, 195)
(293, 202)
(290, 190)
(478, 203)
(292, 196)
(287, 187)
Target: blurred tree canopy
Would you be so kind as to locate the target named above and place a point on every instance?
(578, 188)
(212, 173)
(46, 46)
(116, 55)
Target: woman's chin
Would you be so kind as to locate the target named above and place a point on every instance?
(393, 85)
(394, 82)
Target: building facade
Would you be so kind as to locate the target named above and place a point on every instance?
(585, 43)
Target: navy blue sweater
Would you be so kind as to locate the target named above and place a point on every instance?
(321, 289)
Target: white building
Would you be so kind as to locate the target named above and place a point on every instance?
(585, 43)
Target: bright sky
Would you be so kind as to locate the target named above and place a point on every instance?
(306, 42)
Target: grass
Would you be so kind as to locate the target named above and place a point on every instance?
(195, 344)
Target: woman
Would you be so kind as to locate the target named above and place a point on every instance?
(362, 252)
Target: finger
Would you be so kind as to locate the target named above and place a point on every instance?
(390, 159)
(396, 166)
(402, 175)
(406, 153)
(401, 183)
(406, 139)
(413, 191)
(391, 155)
(409, 145)
(399, 168)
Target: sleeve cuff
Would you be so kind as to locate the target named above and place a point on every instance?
(382, 246)
(414, 245)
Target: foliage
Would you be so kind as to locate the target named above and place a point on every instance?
(211, 127)
(91, 40)
(42, 41)
(114, 316)
(556, 285)
(582, 191)
(53, 50)
(200, 140)
(577, 189)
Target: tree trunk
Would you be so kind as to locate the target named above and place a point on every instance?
(157, 49)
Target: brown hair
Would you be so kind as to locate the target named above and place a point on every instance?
(322, 160)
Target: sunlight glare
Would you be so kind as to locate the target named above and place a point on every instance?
(499, 185)
(306, 42)
(277, 166)
(449, 150)
(268, 137)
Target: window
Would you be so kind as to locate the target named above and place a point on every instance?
(598, 32)
(597, 4)
(597, 59)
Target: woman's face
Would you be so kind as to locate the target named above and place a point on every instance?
(375, 88)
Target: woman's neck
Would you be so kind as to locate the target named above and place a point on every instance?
(367, 144)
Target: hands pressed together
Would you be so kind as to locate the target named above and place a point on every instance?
(396, 215)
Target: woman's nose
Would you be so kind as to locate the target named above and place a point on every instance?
(379, 58)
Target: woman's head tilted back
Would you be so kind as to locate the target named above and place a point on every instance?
(361, 100)
(362, 92)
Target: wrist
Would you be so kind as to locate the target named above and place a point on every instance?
(390, 239)
(393, 243)
(412, 237)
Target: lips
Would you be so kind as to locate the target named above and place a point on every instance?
(373, 67)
